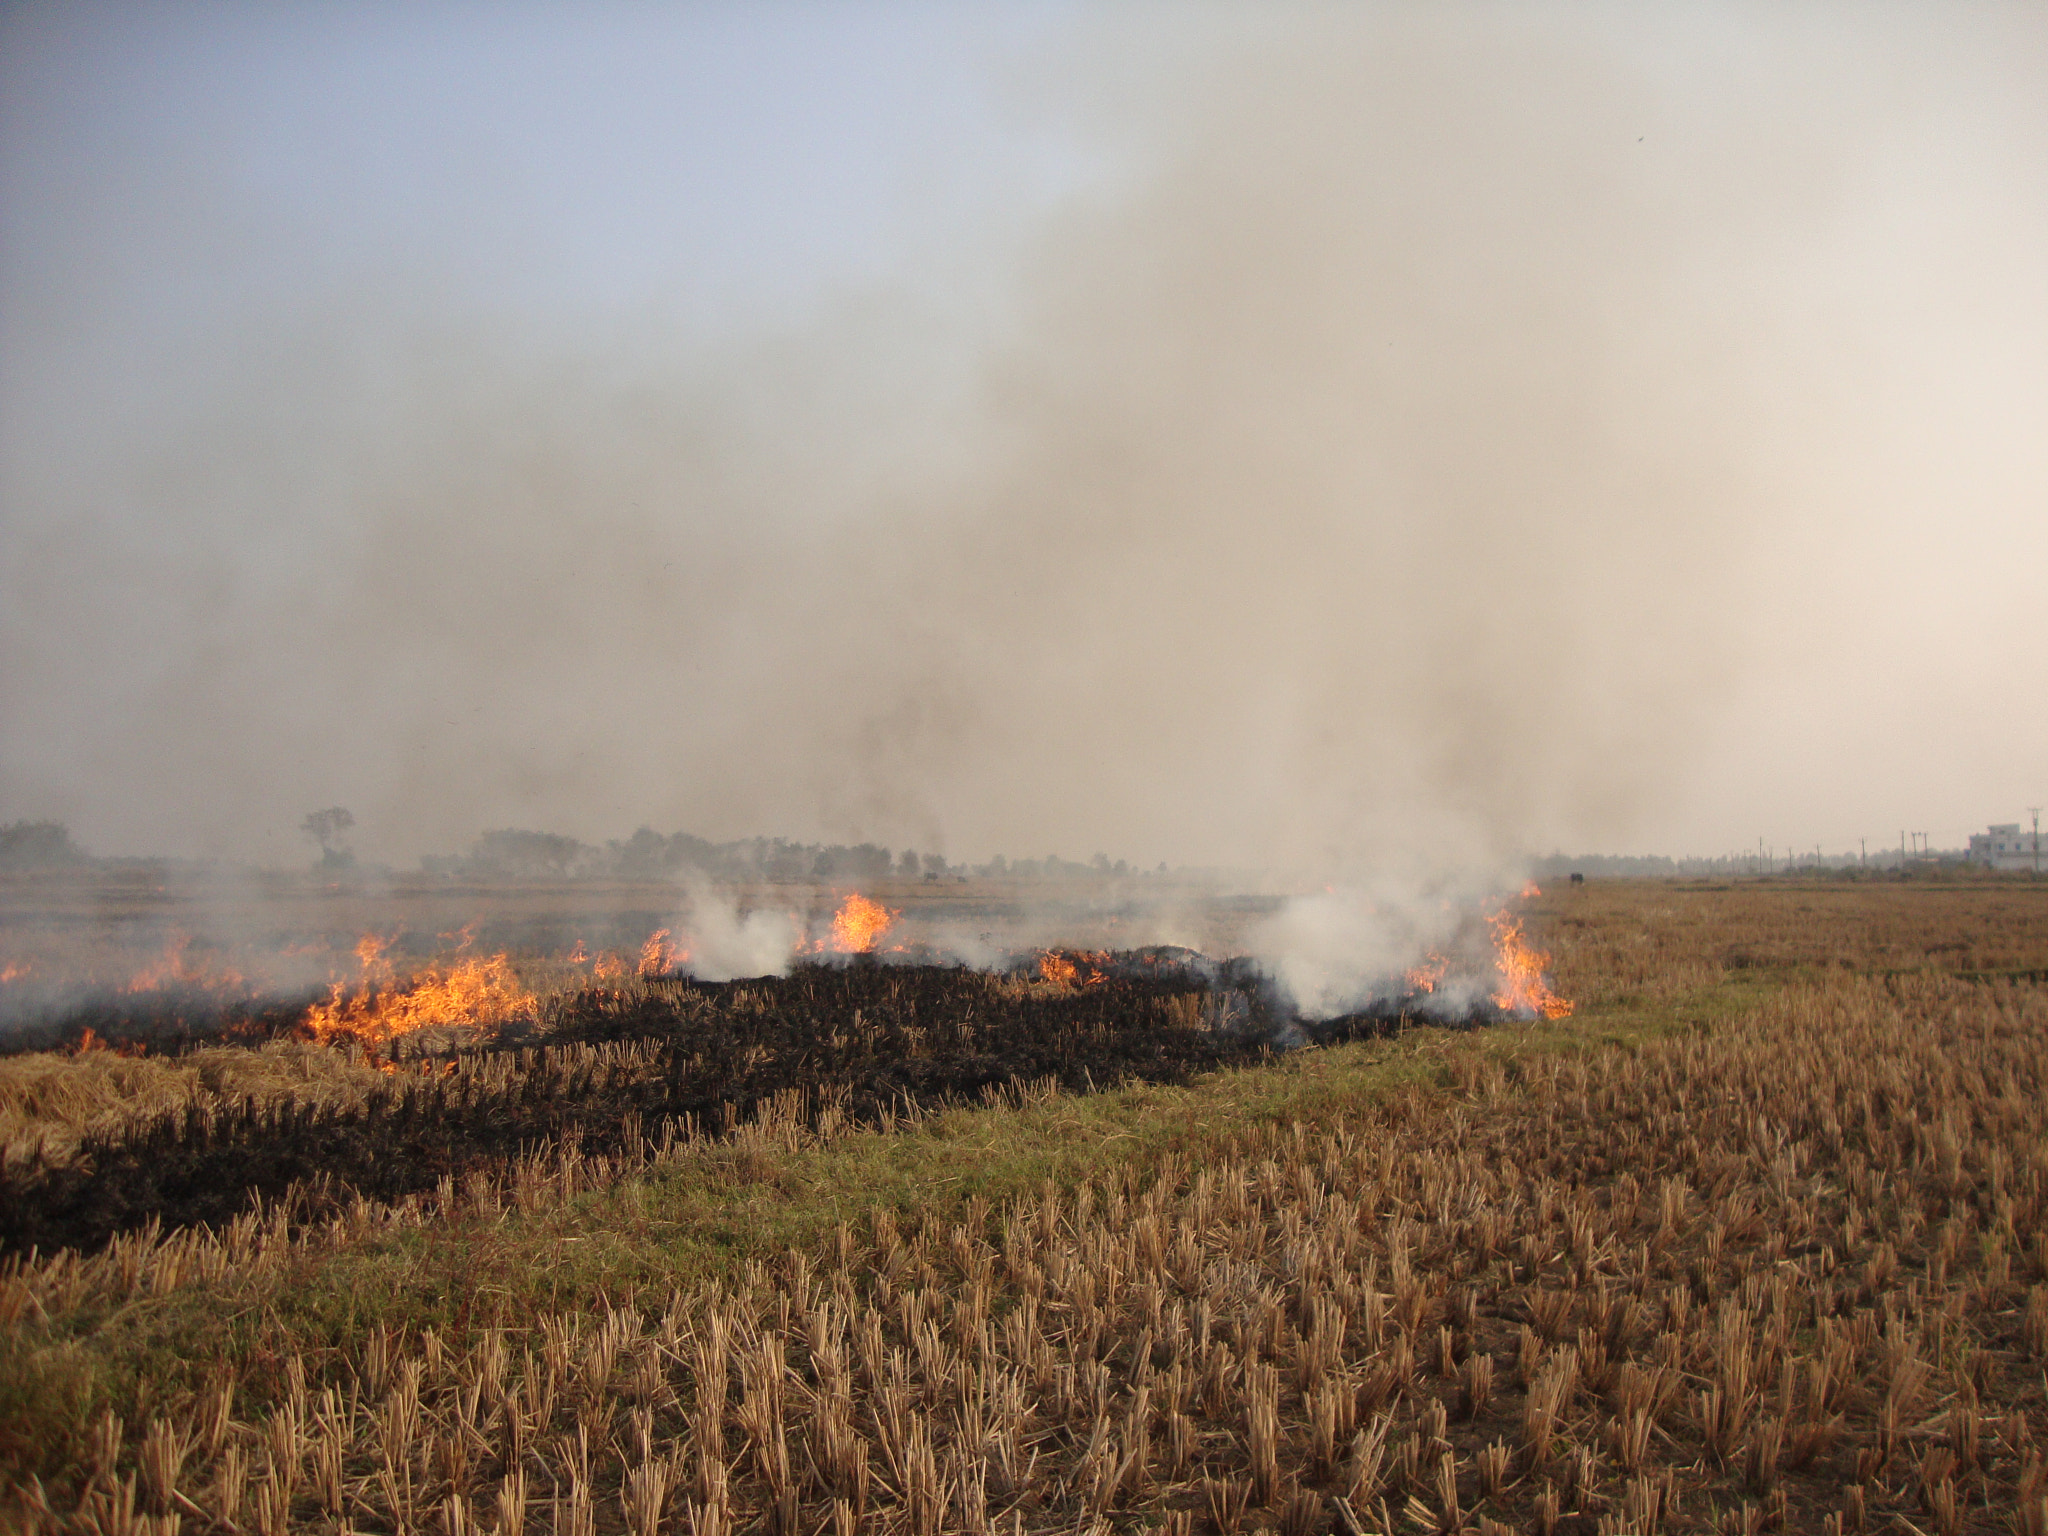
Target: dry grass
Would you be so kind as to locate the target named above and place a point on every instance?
(1636, 942)
(52, 1100)
(1615, 947)
(1783, 1268)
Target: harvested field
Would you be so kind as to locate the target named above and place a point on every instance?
(456, 1069)
(663, 1060)
(1738, 1247)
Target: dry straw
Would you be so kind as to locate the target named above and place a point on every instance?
(1785, 1273)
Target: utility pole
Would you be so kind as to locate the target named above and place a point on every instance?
(1863, 851)
(2035, 811)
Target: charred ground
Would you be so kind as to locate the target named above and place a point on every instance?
(607, 1067)
(1757, 1240)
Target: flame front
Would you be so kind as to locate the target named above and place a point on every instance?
(1073, 967)
(377, 971)
(174, 968)
(1425, 976)
(1523, 988)
(858, 926)
(660, 955)
(1057, 968)
(657, 957)
(472, 994)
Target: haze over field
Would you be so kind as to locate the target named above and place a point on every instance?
(1359, 437)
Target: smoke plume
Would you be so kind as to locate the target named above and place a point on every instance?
(1378, 465)
(726, 944)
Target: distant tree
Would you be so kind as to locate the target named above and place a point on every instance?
(688, 851)
(330, 829)
(908, 864)
(38, 845)
(643, 854)
(527, 855)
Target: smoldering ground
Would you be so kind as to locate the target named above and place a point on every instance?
(1372, 467)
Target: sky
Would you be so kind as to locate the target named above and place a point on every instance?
(1320, 437)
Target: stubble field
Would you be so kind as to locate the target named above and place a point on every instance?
(1753, 1240)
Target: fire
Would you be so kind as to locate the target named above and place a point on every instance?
(174, 968)
(89, 1042)
(859, 925)
(657, 958)
(1523, 988)
(1073, 967)
(370, 956)
(472, 994)
(1424, 977)
(1057, 968)
(661, 956)
(15, 970)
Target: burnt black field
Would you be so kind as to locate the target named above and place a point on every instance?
(613, 1065)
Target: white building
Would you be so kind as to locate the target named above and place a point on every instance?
(2005, 846)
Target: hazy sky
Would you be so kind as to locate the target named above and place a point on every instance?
(1238, 433)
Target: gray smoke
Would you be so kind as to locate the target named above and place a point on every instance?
(1381, 466)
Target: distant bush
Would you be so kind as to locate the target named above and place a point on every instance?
(510, 853)
(39, 845)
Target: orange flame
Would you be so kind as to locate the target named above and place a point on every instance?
(1073, 967)
(174, 968)
(859, 925)
(1057, 968)
(1426, 975)
(89, 1041)
(370, 956)
(473, 994)
(1523, 988)
(660, 956)
(15, 970)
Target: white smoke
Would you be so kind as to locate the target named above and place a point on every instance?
(727, 944)
(1347, 948)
